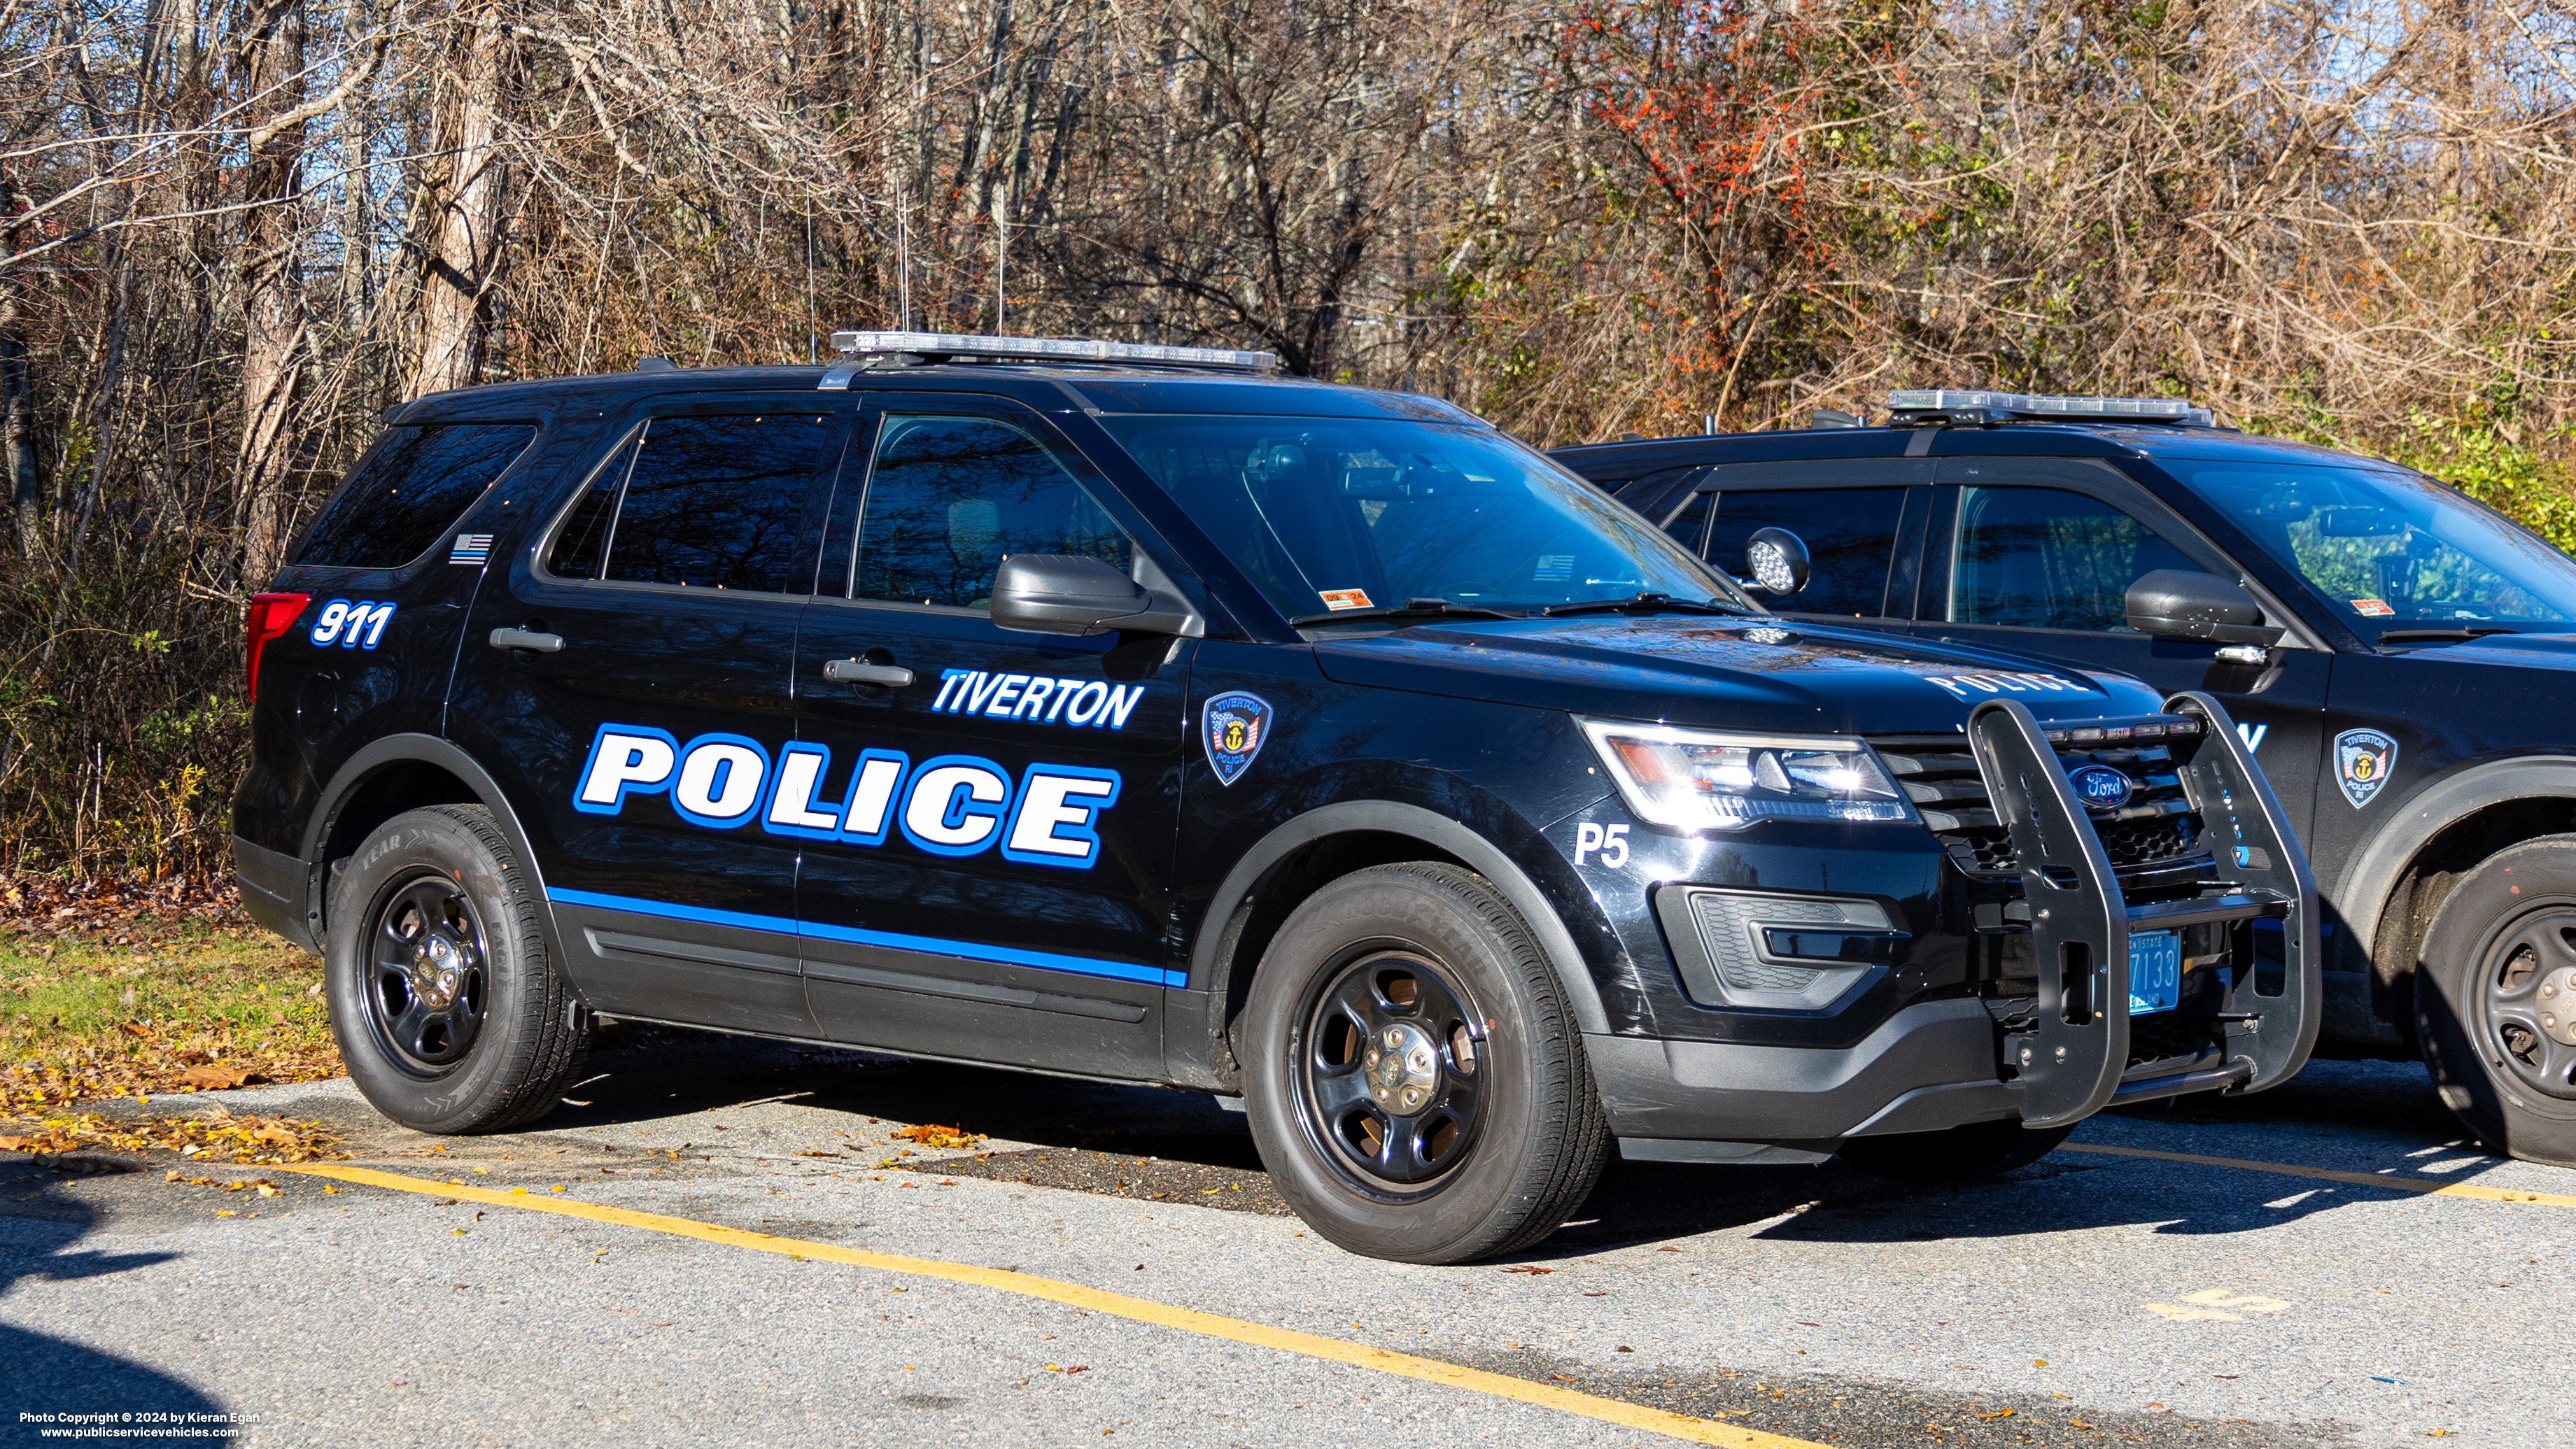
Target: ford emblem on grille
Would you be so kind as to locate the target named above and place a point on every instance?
(2100, 787)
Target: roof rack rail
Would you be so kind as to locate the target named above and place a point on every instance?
(916, 349)
(1937, 406)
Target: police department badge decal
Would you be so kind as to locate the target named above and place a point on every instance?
(2364, 759)
(1232, 726)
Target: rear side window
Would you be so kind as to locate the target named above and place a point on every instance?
(704, 503)
(1850, 535)
(406, 493)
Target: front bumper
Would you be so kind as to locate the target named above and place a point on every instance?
(1942, 1064)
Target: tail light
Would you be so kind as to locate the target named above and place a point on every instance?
(270, 616)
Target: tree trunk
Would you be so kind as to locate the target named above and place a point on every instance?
(465, 228)
(272, 284)
(17, 402)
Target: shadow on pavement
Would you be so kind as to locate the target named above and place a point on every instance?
(667, 1076)
(49, 1375)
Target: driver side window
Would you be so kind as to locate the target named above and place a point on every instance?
(2050, 558)
(950, 497)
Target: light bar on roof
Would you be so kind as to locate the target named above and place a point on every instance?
(2023, 405)
(1049, 349)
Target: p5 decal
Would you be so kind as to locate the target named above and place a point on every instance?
(1610, 841)
(954, 805)
(357, 624)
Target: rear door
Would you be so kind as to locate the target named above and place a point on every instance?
(1862, 520)
(640, 707)
(2036, 555)
(990, 814)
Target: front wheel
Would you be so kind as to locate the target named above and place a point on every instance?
(1414, 1079)
(448, 1012)
(1972, 1153)
(2495, 1000)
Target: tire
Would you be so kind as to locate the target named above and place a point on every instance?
(2495, 1000)
(1477, 1139)
(447, 1008)
(1972, 1153)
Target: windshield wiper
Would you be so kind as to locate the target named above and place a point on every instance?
(1641, 604)
(1408, 610)
(2446, 636)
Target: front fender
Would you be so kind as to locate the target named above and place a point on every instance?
(2439, 803)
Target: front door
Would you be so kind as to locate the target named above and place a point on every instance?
(990, 813)
(2036, 555)
(640, 707)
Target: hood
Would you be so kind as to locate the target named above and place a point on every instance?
(1750, 674)
(2529, 651)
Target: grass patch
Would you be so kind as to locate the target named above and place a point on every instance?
(134, 995)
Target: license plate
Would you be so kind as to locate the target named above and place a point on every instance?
(2155, 972)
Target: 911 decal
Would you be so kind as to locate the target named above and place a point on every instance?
(1037, 697)
(955, 805)
(352, 625)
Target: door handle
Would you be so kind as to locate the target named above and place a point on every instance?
(526, 639)
(860, 671)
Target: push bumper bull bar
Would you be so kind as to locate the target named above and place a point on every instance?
(2072, 1061)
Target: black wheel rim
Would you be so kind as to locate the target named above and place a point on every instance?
(427, 982)
(2523, 1000)
(1391, 1070)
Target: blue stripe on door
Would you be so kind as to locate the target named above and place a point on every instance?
(892, 940)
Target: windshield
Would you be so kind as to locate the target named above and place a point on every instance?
(1333, 514)
(2395, 551)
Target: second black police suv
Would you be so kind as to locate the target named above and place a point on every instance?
(1127, 713)
(2401, 658)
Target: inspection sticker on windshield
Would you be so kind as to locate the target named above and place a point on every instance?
(1343, 598)
(2373, 609)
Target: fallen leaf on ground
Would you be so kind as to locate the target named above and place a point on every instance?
(212, 1078)
(1532, 1269)
(931, 1134)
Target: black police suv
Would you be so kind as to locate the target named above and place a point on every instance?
(2401, 659)
(1129, 714)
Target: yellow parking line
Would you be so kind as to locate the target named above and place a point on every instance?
(1143, 1310)
(2429, 1186)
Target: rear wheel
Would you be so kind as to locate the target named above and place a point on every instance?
(1972, 1153)
(448, 1012)
(2495, 1000)
(1415, 1082)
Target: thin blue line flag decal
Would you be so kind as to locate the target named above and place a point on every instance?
(1232, 726)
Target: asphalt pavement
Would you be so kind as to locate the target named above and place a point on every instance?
(2106, 1295)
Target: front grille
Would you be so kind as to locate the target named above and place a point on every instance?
(2157, 825)
(2167, 1036)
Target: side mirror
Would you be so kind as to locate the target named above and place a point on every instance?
(1777, 560)
(1054, 593)
(2181, 604)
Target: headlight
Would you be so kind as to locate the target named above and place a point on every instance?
(1704, 780)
